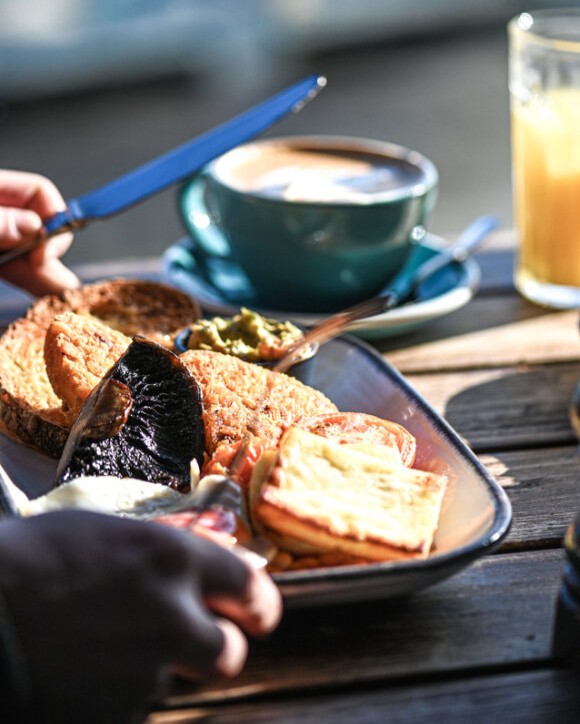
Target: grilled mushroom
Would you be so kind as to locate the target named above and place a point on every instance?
(143, 420)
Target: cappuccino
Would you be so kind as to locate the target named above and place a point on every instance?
(314, 223)
(295, 172)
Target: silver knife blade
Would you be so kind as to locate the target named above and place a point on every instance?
(173, 166)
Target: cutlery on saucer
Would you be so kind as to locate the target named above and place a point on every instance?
(400, 290)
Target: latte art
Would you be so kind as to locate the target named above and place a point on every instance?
(295, 173)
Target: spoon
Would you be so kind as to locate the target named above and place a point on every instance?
(400, 289)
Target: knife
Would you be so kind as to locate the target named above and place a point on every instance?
(173, 166)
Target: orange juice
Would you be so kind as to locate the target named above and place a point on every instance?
(546, 177)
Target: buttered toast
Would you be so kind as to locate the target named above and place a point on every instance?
(136, 307)
(241, 399)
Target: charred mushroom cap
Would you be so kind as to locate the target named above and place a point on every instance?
(143, 420)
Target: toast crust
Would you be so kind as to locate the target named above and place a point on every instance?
(78, 351)
(133, 306)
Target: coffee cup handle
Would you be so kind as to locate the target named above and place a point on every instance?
(206, 252)
(208, 239)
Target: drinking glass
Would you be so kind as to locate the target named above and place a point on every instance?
(544, 82)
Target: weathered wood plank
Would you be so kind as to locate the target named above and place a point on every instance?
(521, 698)
(505, 407)
(491, 331)
(498, 327)
(543, 487)
(496, 613)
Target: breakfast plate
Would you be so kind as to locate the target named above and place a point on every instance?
(475, 515)
(222, 287)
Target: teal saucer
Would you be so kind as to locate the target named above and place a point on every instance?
(224, 288)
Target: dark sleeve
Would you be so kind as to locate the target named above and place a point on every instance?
(14, 685)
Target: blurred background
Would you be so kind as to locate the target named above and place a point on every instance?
(92, 88)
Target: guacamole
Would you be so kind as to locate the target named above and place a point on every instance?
(247, 335)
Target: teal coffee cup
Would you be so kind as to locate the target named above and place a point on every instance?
(315, 223)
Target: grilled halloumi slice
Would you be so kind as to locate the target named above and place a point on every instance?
(313, 495)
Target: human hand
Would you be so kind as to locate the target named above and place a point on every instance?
(104, 607)
(25, 200)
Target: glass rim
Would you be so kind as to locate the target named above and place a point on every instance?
(532, 26)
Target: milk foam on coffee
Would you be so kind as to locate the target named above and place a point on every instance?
(319, 174)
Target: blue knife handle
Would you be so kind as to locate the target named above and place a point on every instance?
(71, 218)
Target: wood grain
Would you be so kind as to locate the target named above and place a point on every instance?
(514, 698)
(497, 613)
(490, 332)
(543, 489)
(505, 408)
(518, 698)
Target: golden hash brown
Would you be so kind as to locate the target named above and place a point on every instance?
(241, 398)
(78, 351)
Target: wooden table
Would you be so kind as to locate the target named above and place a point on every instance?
(476, 647)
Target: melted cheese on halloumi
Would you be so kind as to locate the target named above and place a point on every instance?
(329, 495)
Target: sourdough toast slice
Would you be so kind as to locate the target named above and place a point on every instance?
(30, 410)
(242, 399)
(136, 307)
(78, 350)
(315, 496)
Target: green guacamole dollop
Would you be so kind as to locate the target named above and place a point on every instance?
(247, 335)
